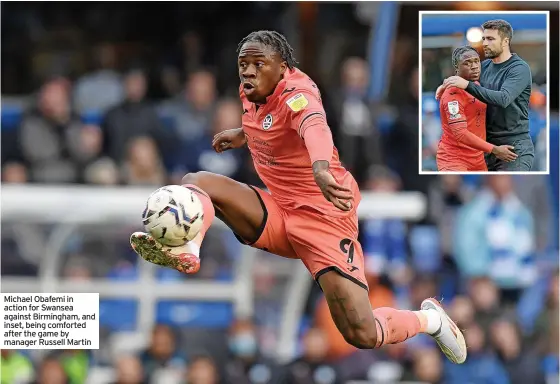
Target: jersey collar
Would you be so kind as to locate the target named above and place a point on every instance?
(281, 85)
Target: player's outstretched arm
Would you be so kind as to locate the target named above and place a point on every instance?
(318, 140)
(229, 139)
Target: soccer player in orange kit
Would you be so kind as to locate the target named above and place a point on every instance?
(463, 119)
(309, 212)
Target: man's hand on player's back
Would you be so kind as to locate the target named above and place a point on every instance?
(229, 139)
(452, 81)
(504, 152)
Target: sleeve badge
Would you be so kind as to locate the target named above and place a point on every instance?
(453, 107)
(297, 102)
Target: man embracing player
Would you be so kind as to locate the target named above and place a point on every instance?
(505, 88)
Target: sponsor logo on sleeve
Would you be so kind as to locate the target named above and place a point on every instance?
(298, 102)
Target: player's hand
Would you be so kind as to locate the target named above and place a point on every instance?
(229, 139)
(456, 81)
(338, 195)
(504, 152)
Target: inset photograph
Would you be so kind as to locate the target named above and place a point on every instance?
(484, 81)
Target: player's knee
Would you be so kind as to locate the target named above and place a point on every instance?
(364, 338)
(202, 180)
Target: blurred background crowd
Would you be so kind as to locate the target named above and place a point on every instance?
(441, 34)
(94, 94)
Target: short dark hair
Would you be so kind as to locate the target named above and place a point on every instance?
(503, 27)
(276, 41)
(456, 56)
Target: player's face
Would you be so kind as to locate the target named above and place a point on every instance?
(493, 43)
(260, 71)
(469, 66)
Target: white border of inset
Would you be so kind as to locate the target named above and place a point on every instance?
(547, 127)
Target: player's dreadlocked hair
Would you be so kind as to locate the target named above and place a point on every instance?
(458, 52)
(275, 40)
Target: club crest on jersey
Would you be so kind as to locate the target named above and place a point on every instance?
(297, 102)
(267, 122)
(453, 107)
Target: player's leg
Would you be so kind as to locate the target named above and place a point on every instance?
(250, 213)
(478, 165)
(330, 250)
(447, 162)
(446, 165)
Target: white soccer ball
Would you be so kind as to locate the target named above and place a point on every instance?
(173, 215)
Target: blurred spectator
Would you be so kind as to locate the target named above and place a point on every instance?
(51, 372)
(462, 311)
(132, 119)
(46, 136)
(102, 89)
(427, 367)
(161, 353)
(200, 155)
(202, 370)
(246, 364)
(547, 330)
(534, 193)
(495, 237)
(14, 173)
(486, 301)
(129, 370)
(401, 146)
(143, 166)
(190, 113)
(16, 368)
(446, 195)
(358, 139)
(522, 364)
(384, 240)
(311, 367)
(75, 363)
(482, 366)
(102, 172)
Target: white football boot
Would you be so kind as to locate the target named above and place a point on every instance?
(181, 258)
(448, 336)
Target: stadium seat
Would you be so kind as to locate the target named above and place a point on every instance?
(194, 314)
(425, 247)
(118, 315)
(92, 117)
(11, 116)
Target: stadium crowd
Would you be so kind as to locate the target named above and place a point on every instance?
(487, 246)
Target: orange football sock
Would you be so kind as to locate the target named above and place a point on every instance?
(209, 213)
(395, 326)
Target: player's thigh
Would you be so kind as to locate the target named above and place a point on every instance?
(236, 204)
(327, 244)
(251, 213)
(449, 163)
(451, 167)
(478, 165)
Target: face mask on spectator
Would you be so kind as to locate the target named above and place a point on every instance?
(243, 344)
